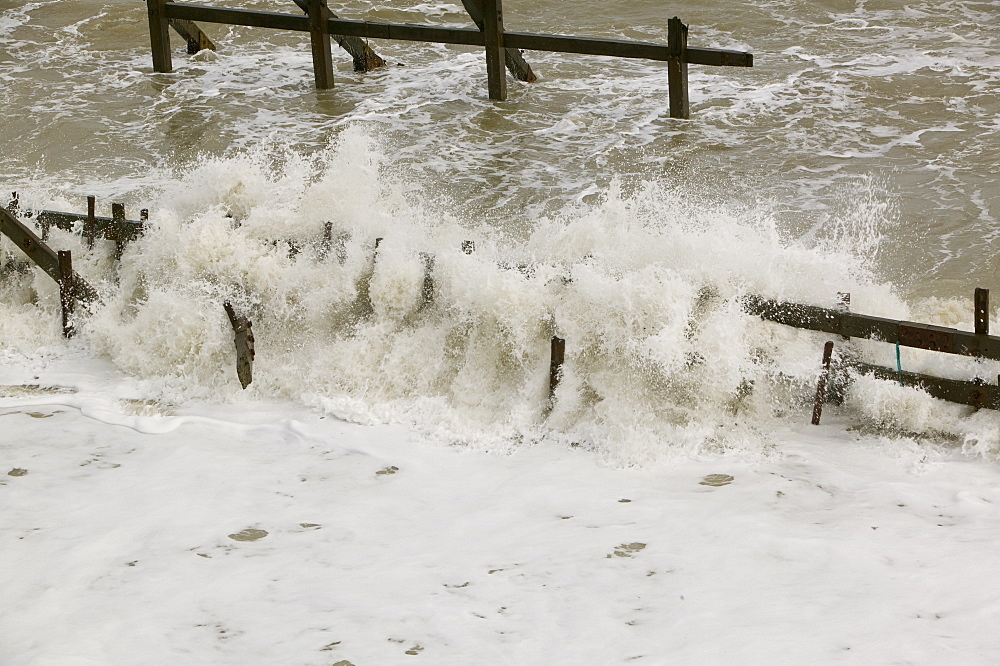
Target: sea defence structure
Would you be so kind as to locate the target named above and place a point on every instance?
(503, 49)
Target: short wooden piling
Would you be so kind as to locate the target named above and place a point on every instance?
(67, 293)
(118, 228)
(981, 302)
(557, 355)
(821, 383)
(90, 224)
(427, 289)
(14, 204)
(677, 69)
(159, 35)
(322, 51)
(495, 58)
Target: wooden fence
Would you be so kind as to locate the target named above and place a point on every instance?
(978, 343)
(502, 47)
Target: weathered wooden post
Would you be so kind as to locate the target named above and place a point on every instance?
(242, 327)
(14, 204)
(118, 228)
(557, 355)
(322, 54)
(493, 34)
(67, 293)
(821, 383)
(365, 59)
(90, 224)
(982, 308)
(677, 69)
(159, 35)
(468, 246)
(427, 289)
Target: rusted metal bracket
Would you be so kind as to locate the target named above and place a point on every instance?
(242, 327)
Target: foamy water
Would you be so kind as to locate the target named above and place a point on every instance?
(856, 156)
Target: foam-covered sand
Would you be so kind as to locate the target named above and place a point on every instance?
(140, 532)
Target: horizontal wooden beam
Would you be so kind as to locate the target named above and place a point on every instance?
(67, 221)
(906, 333)
(463, 36)
(952, 390)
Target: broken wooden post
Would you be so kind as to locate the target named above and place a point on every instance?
(118, 232)
(821, 383)
(90, 224)
(159, 35)
(242, 327)
(513, 58)
(981, 303)
(192, 34)
(322, 54)
(557, 355)
(493, 34)
(365, 59)
(677, 69)
(427, 290)
(14, 204)
(468, 246)
(67, 294)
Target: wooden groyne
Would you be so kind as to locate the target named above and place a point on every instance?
(503, 48)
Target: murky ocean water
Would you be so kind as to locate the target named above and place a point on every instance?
(859, 154)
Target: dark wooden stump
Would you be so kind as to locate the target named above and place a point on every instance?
(243, 328)
(677, 69)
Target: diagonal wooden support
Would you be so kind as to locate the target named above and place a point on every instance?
(365, 59)
(192, 34)
(515, 62)
(41, 254)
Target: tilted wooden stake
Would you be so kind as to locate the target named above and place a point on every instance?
(821, 384)
(242, 327)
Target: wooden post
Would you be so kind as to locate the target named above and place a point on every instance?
(118, 228)
(468, 246)
(493, 33)
(159, 35)
(557, 355)
(14, 204)
(322, 55)
(821, 384)
(677, 69)
(67, 294)
(90, 224)
(365, 59)
(982, 308)
(427, 290)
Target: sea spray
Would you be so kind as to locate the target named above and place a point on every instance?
(645, 287)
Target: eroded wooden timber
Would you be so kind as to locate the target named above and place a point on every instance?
(243, 329)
